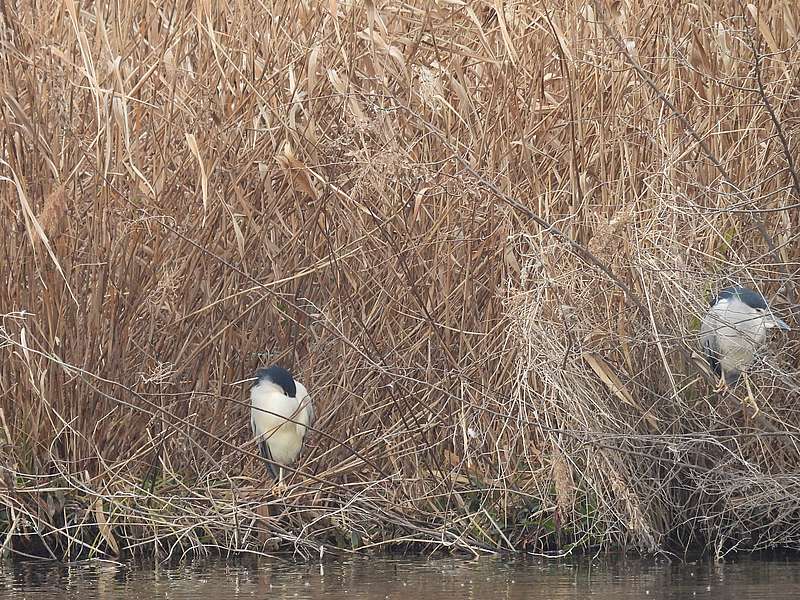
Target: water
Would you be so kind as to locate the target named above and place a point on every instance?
(409, 579)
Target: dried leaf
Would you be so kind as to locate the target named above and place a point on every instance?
(52, 214)
(192, 143)
(419, 195)
(297, 172)
(501, 19)
(764, 29)
(24, 123)
(341, 87)
(699, 57)
(614, 383)
(32, 223)
(105, 528)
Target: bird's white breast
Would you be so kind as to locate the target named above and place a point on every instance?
(270, 409)
(739, 330)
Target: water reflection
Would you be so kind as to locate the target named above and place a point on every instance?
(409, 579)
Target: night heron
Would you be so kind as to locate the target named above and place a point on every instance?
(280, 414)
(734, 327)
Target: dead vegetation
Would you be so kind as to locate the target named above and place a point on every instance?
(480, 235)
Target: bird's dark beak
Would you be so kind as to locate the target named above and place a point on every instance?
(775, 322)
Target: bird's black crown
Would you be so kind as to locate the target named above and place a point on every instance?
(746, 295)
(280, 377)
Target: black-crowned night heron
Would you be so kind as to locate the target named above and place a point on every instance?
(734, 327)
(280, 414)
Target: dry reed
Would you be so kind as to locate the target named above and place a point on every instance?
(481, 234)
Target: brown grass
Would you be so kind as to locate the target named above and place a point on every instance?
(481, 238)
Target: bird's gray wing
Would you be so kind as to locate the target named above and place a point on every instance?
(263, 448)
(708, 341)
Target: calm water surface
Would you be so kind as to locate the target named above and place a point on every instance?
(409, 579)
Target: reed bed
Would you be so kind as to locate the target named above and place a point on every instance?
(481, 233)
